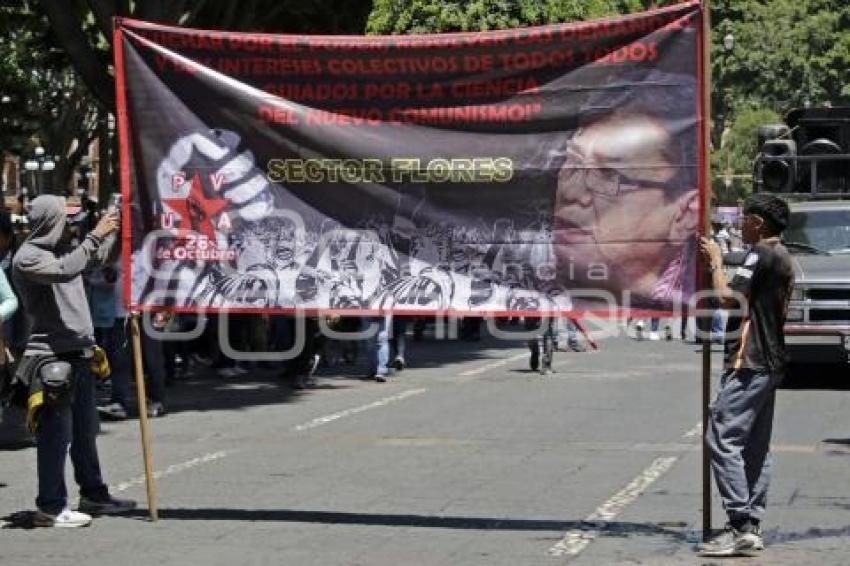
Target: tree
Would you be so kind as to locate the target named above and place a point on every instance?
(786, 53)
(735, 157)
(43, 104)
(83, 29)
(431, 16)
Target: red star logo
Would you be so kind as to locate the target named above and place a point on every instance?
(197, 210)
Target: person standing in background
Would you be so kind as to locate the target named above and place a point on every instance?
(12, 419)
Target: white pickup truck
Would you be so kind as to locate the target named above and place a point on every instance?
(817, 327)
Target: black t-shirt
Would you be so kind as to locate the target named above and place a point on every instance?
(755, 339)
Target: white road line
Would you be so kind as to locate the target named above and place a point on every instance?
(210, 457)
(577, 540)
(173, 469)
(696, 431)
(493, 365)
(379, 403)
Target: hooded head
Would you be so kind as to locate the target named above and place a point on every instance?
(47, 221)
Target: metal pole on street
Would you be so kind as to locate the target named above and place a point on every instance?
(141, 396)
(706, 226)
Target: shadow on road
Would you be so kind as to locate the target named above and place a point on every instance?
(206, 389)
(776, 536)
(23, 520)
(425, 521)
(210, 391)
(817, 376)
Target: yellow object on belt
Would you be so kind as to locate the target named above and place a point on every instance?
(99, 363)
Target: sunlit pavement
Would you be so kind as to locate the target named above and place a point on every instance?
(466, 457)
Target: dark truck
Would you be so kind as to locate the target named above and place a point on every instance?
(807, 162)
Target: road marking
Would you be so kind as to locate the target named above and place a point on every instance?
(494, 365)
(696, 431)
(212, 456)
(336, 416)
(576, 540)
(172, 469)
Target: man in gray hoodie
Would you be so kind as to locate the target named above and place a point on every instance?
(48, 276)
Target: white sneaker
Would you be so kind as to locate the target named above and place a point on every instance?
(155, 409)
(654, 336)
(67, 519)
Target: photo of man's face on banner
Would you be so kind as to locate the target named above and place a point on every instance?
(627, 206)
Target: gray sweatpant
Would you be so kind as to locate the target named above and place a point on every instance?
(738, 436)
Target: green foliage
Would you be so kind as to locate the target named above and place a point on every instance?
(736, 154)
(36, 80)
(786, 52)
(433, 16)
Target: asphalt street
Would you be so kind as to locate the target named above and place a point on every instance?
(464, 458)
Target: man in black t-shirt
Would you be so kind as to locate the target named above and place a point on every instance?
(741, 417)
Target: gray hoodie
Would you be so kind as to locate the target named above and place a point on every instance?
(50, 283)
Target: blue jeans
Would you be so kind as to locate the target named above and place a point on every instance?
(153, 356)
(547, 328)
(74, 424)
(718, 324)
(572, 333)
(117, 345)
(384, 339)
(119, 350)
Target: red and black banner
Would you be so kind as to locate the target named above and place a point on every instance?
(535, 170)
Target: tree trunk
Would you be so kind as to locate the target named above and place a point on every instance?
(106, 165)
(84, 58)
(104, 11)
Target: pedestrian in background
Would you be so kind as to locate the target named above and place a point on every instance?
(12, 418)
(389, 341)
(110, 331)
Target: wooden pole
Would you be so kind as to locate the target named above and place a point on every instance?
(143, 415)
(584, 333)
(706, 344)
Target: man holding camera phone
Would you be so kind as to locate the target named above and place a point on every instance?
(48, 275)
